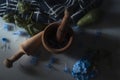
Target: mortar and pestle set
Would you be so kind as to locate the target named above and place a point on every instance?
(55, 38)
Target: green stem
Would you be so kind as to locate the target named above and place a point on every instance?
(30, 18)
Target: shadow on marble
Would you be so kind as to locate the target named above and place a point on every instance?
(106, 58)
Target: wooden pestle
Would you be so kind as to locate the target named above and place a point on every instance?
(63, 26)
(28, 47)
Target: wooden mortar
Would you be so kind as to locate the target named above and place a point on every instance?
(56, 33)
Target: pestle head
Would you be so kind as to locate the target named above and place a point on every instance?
(8, 63)
(63, 27)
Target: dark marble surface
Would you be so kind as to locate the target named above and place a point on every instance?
(108, 44)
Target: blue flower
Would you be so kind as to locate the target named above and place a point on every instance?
(83, 70)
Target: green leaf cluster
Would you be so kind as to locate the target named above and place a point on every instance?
(28, 24)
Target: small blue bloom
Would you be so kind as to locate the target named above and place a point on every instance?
(5, 40)
(66, 69)
(98, 34)
(52, 60)
(7, 27)
(21, 33)
(78, 30)
(82, 70)
(50, 66)
(34, 60)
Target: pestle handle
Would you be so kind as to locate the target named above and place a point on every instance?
(63, 26)
(28, 47)
(9, 61)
